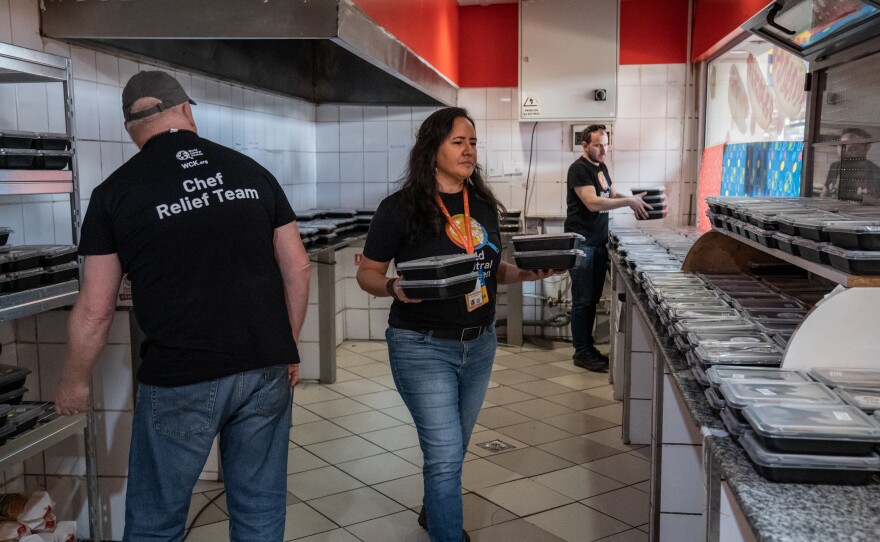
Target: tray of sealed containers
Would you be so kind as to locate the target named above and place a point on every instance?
(440, 288)
(809, 468)
(437, 267)
(548, 259)
(813, 429)
(854, 262)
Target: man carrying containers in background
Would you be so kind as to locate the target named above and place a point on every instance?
(589, 197)
(220, 283)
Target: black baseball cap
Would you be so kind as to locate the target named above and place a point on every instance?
(152, 84)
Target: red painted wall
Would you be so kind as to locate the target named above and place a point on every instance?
(715, 20)
(488, 46)
(428, 27)
(653, 32)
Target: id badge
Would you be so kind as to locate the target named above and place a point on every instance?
(480, 295)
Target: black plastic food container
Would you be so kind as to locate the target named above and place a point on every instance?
(13, 397)
(16, 140)
(855, 235)
(785, 243)
(52, 142)
(19, 281)
(654, 215)
(555, 241)
(441, 288)
(6, 432)
(57, 255)
(4, 411)
(650, 190)
(4, 235)
(53, 160)
(12, 377)
(548, 259)
(18, 158)
(19, 259)
(809, 469)
(437, 267)
(854, 262)
(25, 416)
(811, 250)
(62, 273)
(655, 200)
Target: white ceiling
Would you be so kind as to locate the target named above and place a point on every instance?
(484, 2)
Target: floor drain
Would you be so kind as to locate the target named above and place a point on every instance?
(496, 446)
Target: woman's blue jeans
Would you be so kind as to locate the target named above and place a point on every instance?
(443, 383)
(587, 281)
(172, 434)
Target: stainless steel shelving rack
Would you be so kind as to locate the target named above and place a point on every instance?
(20, 65)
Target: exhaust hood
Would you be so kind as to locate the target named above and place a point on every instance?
(317, 50)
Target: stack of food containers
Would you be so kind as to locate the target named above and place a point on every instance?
(656, 198)
(438, 277)
(547, 251)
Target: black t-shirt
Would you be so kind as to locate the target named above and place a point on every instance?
(579, 219)
(193, 225)
(387, 240)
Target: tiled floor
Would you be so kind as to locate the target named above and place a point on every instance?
(354, 472)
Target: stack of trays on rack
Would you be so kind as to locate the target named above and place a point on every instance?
(308, 235)
(331, 224)
(656, 198)
(28, 150)
(510, 221)
(25, 267)
(842, 234)
(438, 277)
(547, 251)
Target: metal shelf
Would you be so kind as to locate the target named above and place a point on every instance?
(35, 181)
(828, 272)
(50, 430)
(41, 299)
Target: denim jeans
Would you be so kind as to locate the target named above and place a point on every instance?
(443, 383)
(587, 281)
(172, 433)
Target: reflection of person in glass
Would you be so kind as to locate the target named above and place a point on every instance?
(853, 176)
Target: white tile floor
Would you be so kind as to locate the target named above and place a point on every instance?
(354, 472)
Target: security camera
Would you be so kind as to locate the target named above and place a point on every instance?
(600, 95)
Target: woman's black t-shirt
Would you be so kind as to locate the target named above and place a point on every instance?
(388, 240)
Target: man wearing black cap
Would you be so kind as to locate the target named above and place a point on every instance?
(220, 288)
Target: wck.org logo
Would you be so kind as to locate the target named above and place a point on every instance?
(190, 155)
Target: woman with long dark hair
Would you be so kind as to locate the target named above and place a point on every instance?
(441, 351)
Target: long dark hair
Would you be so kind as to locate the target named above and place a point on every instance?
(422, 216)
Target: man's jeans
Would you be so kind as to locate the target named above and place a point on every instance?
(443, 383)
(172, 434)
(587, 281)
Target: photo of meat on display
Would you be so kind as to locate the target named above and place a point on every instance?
(759, 94)
(788, 82)
(737, 99)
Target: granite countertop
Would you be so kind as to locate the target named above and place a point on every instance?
(776, 512)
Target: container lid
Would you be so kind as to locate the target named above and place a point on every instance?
(11, 373)
(687, 326)
(804, 421)
(784, 237)
(711, 396)
(547, 236)
(24, 413)
(808, 243)
(62, 267)
(739, 354)
(742, 394)
(439, 283)
(867, 399)
(703, 312)
(772, 459)
(20, 254)
(434, 262)
(861, 378)
(852, 254)
(58, 250)
(548, 253)
(854, 226)
(722, 373)
(24, 274)
(698, 304)
(740, 337)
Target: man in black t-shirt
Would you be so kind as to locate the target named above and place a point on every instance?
(220, 288)
(589, 197)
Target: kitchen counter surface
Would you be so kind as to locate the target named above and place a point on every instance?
(776, 512)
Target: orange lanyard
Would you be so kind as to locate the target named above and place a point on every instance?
(467, 239)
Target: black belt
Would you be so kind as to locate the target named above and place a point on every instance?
(465, 334)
